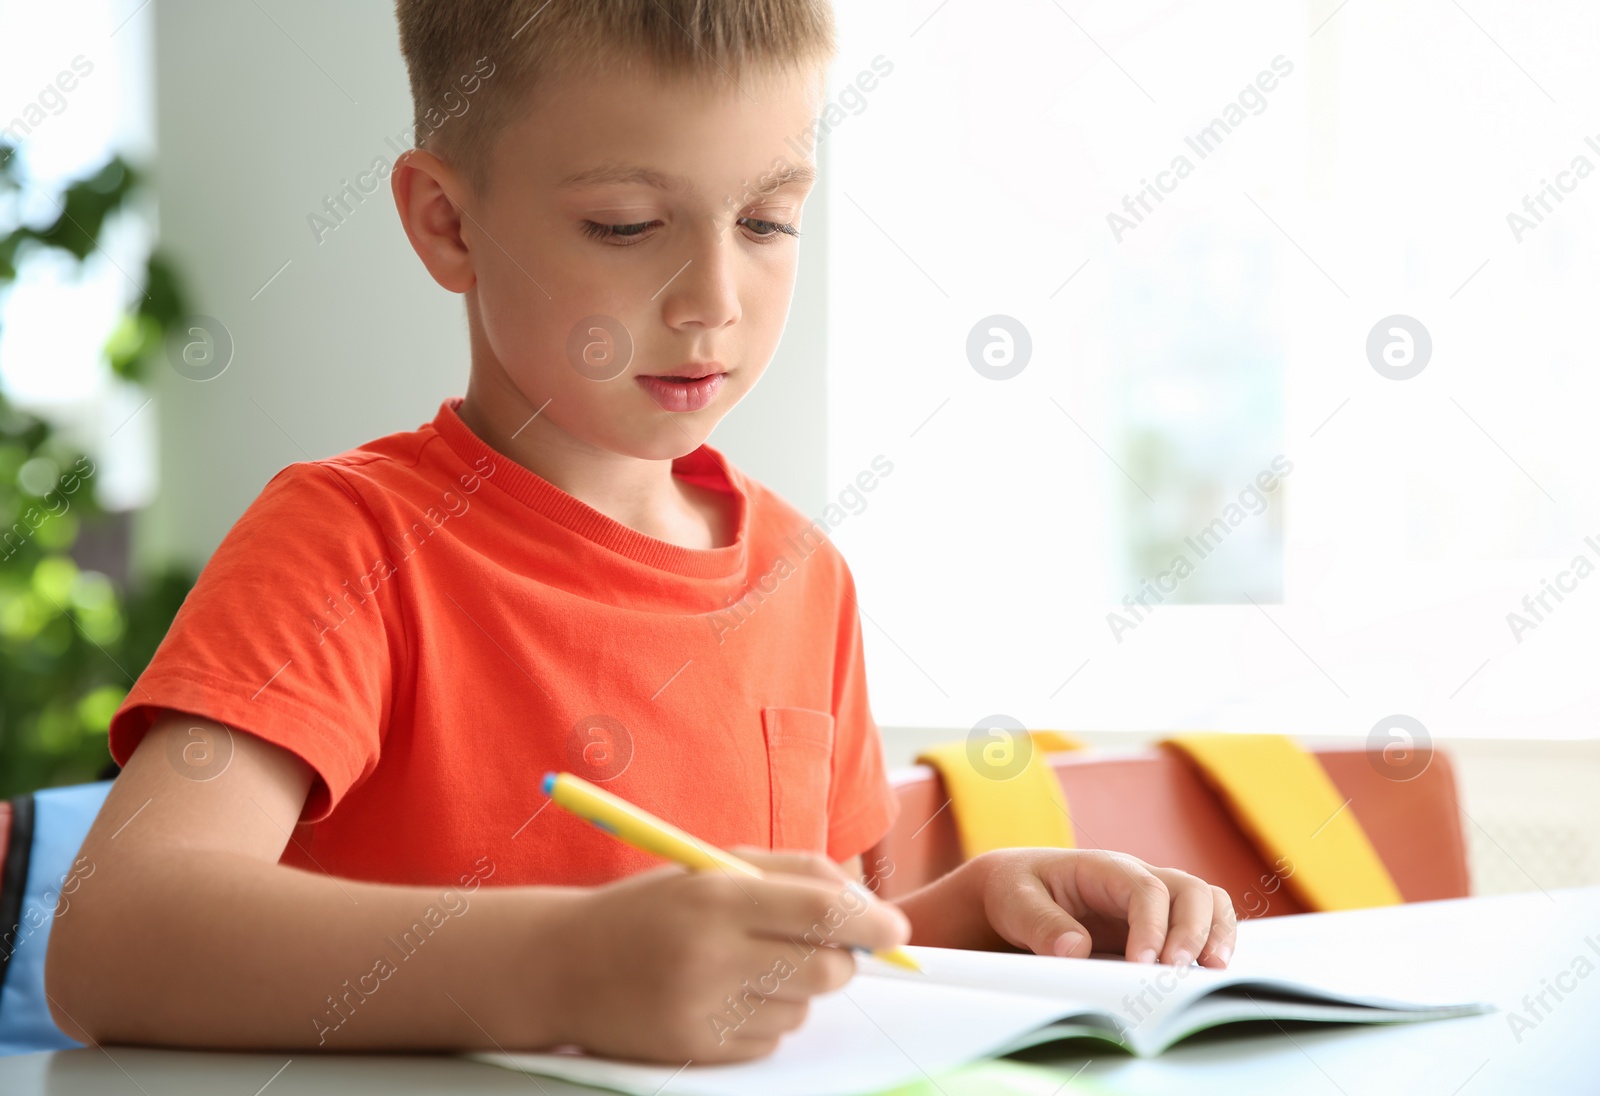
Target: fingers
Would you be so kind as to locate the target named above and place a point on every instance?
(1172, 916)
(1124, 887)
(820, 912)
(1224, 931)
(1189, 920)
(792, 863)
(801, 969)
(849, 893)
(1043, 901)
(1026, 915)
(754, 1030)
(771, 1018)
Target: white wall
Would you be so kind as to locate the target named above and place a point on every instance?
(259, 118)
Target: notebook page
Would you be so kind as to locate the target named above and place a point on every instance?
(1111, 985)
(1152, 1005)
(875, 1033)
(1228, 1008)
(889, 1027)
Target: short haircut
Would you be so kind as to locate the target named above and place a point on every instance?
(449, 45)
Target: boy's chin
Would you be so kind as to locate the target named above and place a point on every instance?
(669, 437)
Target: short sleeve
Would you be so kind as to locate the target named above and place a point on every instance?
(861, 803)
(290, 634)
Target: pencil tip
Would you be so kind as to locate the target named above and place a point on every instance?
(898, 958)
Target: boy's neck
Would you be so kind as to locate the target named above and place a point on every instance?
(641, 494)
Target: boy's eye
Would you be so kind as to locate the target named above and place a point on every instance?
(759, 229)
(614, 232)
(768, 229)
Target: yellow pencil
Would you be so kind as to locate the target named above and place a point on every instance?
(643, 830)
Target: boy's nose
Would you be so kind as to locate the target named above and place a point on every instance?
(704, 290)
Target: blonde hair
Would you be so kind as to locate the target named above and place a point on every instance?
(473, 63)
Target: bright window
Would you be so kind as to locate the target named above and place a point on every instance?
(1199, 217)
(56, 316)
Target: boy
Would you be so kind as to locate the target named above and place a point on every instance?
(328, 831)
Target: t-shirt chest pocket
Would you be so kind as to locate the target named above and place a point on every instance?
(799, 763)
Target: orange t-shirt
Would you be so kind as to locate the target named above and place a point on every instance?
(432, 627)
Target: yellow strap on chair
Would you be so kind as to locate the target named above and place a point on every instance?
(1284, 802)
(1003, 792)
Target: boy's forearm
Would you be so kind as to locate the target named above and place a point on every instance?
(202, 948)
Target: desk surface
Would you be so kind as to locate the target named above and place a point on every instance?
(1500, 949)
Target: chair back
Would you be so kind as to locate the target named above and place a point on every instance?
(1155, 804)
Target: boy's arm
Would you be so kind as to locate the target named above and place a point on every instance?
(187, 931)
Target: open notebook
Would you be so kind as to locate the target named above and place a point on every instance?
(888, 1027)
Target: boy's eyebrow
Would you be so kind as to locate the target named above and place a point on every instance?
(613, 172)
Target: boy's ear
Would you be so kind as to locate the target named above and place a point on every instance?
(427, 192)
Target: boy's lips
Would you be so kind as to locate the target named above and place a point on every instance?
(691, 371)
(682, 394)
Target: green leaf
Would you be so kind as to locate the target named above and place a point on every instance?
(165, 301)
(98, 706)
(53, 577)
(135, 337)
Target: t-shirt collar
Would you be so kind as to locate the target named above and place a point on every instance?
(704, 466)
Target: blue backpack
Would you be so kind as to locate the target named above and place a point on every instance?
(39, 863)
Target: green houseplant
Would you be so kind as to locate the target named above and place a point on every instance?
(72, 639)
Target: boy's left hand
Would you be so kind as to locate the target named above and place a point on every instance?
(1074, 901)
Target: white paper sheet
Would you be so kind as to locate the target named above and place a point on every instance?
(890, 1027)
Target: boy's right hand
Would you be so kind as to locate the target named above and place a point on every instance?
(676, 966)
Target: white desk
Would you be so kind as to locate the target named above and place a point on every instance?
(1495, 949)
